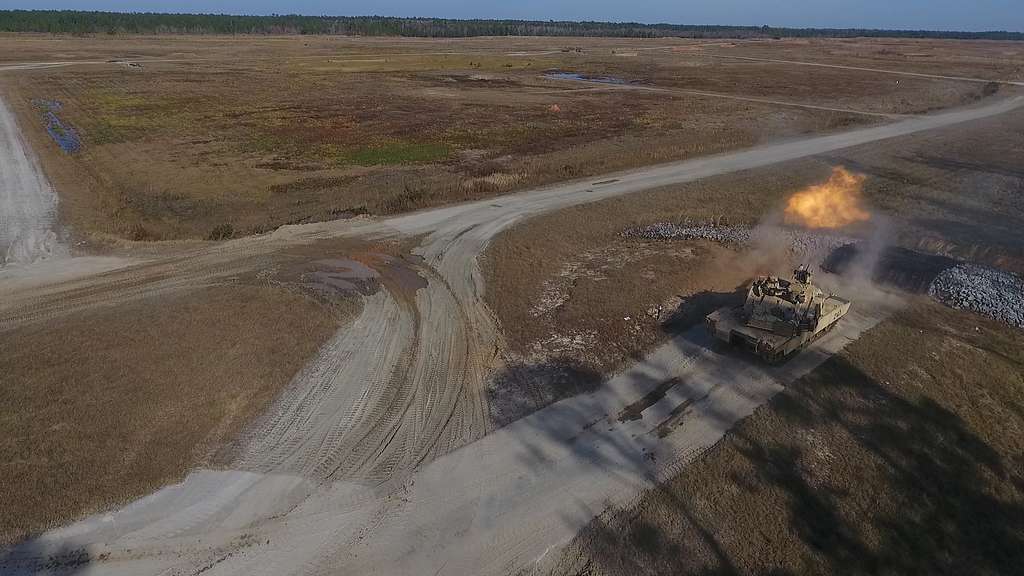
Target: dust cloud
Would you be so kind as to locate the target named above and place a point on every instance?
(812, 225)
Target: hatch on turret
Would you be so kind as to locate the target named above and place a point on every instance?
(779, 316)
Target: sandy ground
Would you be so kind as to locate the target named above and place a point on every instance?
(367, 461)
(28, 204)
(28, 220)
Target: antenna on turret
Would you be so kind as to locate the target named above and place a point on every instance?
(802, 274)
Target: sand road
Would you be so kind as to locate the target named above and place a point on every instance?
(865, 69)
(28, 205)
(377, 457)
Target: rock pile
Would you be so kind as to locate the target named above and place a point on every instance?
(670, 231)
(988, 291)
(801, 241)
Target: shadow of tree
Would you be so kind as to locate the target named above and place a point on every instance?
(934, 498)
(522, 388)
(32, 557)
(949, 520)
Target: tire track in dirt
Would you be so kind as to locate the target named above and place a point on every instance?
(47, 290)
(339, 381)
(867, 69)
(28, 204)
(720, 96)
(399, 497)
(30, 302)
(385, 394)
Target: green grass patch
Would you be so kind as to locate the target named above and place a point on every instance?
(116, 101)
(114, 129)
(112, 116)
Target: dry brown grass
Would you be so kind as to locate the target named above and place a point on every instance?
(109, 404)
(258, 132)
(574, 299)
(565, 283)
(902, 455)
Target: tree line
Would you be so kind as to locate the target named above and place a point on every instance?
(81, 22)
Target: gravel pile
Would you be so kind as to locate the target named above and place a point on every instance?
(801, 241)
(670, 231)
(988, 291)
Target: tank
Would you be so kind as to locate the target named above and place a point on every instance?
(779, 317)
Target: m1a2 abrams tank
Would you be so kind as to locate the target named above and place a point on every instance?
(779, 316)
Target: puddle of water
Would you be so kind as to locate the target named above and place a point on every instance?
(585, 78)
(401, 273)
(342, 276)
(363, 274)
(63, 134)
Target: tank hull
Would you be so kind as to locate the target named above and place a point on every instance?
(727, 325)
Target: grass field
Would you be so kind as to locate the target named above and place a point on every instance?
(246, 134)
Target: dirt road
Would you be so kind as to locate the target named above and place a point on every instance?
(28, 205)
(496, 505)
(864, 69)
(720, 96)
(375, 458)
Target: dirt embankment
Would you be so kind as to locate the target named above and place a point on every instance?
(900, 455)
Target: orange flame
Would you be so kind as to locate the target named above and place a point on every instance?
(834, 204)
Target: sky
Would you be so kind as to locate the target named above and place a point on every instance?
(971, 15)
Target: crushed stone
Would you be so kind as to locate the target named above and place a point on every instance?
(801, 241)
(988, 291)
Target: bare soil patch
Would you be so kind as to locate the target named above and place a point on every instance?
(112, 403)
(901, 455)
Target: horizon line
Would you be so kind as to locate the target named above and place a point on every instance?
(521, 20)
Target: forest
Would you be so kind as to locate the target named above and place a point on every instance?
(82, 22)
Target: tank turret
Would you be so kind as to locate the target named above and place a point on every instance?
(779, 316)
